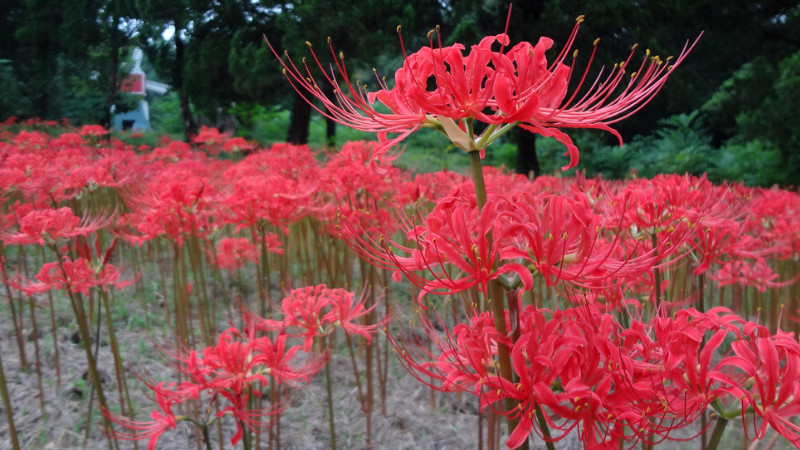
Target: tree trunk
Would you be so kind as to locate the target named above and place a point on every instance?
(113, 75)
(189, 125)
(299, 121)
(527, 161)
(330, 133)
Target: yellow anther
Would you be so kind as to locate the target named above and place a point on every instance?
(596, 41)
(430, 33)
(329, 39)
(341, 55)
(635, 46)
(309, 43)
(580, 18)
(575, 54)
(399, 27)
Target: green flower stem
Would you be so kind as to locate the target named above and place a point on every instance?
(496, 298)
(12, 431)
(329, 389)
(122, 380)
(716, 435)
(206, 437)
(656, 274)
(83, 328)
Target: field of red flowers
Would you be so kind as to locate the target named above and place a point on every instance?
(219, 294)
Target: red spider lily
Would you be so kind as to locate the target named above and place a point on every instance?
(518, 87)
(302, 311)
(772, 216)
(268, 198)
(314, 311)
(451, 245)
(237, 144)
(72, 275)
(231, 370)
(47, 226)
(245, 415)
(92, 130)
(229, 365)
(771, 366)
(610, 383)
(214, 142)
(754, 273)
(163, 419)
(283, 364)
(232, 253)
(175, 203)
(238, 360)
(209, 136)
(361, 189)
(345, 311)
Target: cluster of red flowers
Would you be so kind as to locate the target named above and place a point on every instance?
(232, 371)
(243, 362)
(626, 359)
(614, 383)
(591, 235)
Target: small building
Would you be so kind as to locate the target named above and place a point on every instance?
(137, 83)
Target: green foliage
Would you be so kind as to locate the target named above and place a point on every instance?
(681, 145)
(755, 163)
(756, 110)
(165, 115)
(12, 103)
(776, 117)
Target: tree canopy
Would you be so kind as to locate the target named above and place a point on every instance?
(67, 62)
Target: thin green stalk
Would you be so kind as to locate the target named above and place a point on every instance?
(54, 334)
(656, 275)
(96, 351)
(53, 331)
(701, 288)
(122, 382)
(203, 310)
(206, 437)
(12, 430)
(35, 332)
(247, 438)
(23, 360)
(355, 370)
(383, 369)
(496, 301)
(716, 435)
(329, 389)
(83, 328)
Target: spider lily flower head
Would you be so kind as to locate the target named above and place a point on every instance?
(79, 275)
(498, 87)
(47, 226)
(312, 312)
(162, 417)
(448, 251)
